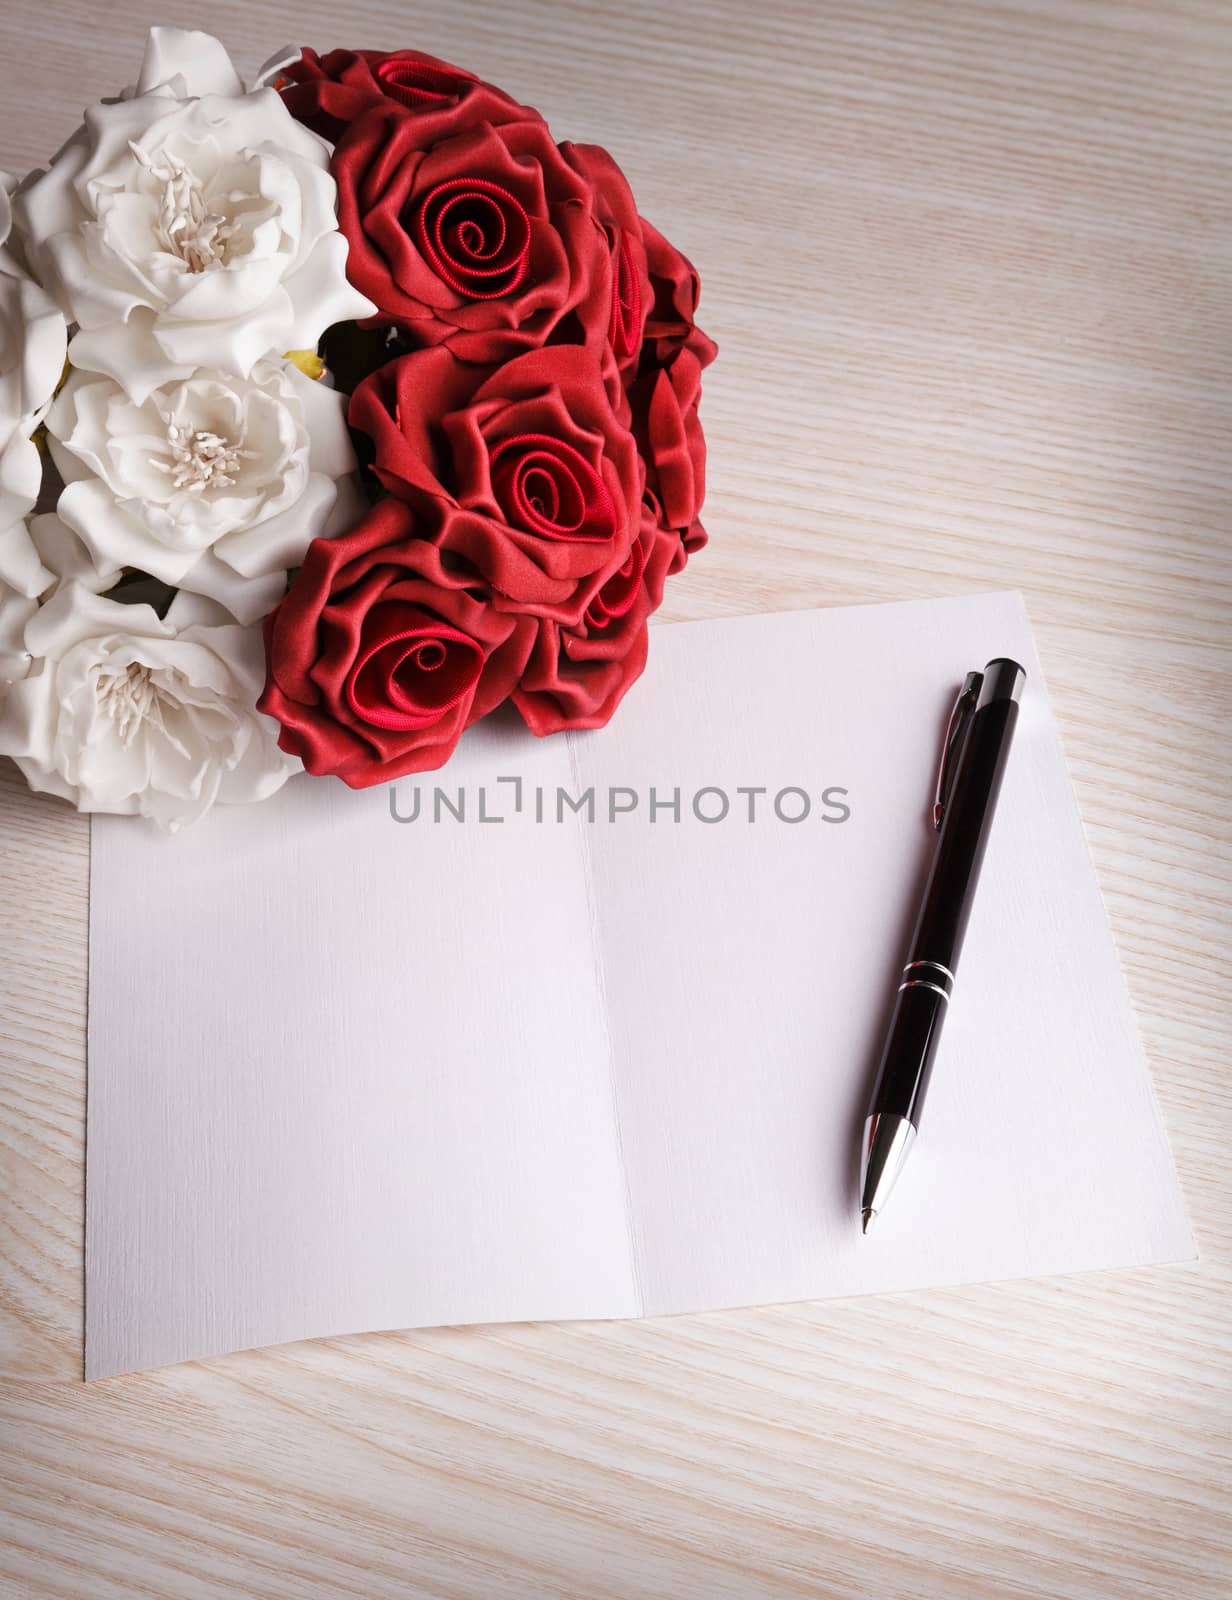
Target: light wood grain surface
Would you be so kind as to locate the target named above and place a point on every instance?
(968, 263)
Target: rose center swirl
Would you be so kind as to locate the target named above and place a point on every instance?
(411, 669)
(617, 596)
(475, 236)
(548, 488)
(416, 84)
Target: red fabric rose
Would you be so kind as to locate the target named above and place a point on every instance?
(329, 92)
(674, 287)
(525, 479)
(688, 540)
(664, 402)
(630, 294)
(372, 670)
(577, 675)
(486, 240)
(666, 392)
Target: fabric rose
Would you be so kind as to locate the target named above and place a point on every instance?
(660, 349)
(213, 483)
(674, 288)
(525, 478)
(373, 671)
(664, 402)
(33, 337)
(630, 294)
(486, 240)
(665, 394)
(121, 711)
(61, 557)
(15, 612)
(327, 93)
(189, 225)
(577, 675)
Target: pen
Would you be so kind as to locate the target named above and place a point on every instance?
(977, 743)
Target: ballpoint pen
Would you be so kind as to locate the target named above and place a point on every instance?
(977, 743)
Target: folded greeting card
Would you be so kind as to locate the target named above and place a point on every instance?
(585, 1027)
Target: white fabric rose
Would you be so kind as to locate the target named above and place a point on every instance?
(191, 225)
(123, 712)
(15, 611)
(214, 483)
(33, 336)
(62, 558)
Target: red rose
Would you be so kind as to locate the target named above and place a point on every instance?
(373, 671)
(328, 92)
(664, 401)
(486, 240)
(665, 390)
(577, 675)
(674, 287)
(630, 295)
(688, 540)
(525, 478)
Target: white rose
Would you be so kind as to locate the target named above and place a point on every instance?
(62, 558)
(191, 225)
(15, 612)
(214, 483)
(33, 336)
(123, 712)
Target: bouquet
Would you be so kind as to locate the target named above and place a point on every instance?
(334, 414)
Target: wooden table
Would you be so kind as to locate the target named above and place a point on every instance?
(968, 262)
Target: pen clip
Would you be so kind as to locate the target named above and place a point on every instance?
(964, 709)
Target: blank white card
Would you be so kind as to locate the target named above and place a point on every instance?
(376, 1060)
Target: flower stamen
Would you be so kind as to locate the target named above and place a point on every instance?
(184, 226)
(201, 460)
(129, 698)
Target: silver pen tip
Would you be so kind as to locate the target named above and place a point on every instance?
(866, 1217)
